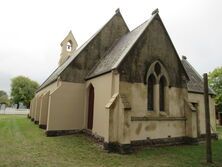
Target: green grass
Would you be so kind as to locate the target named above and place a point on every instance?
(23, 144)
(219, 130)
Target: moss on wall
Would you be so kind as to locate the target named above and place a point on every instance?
(96, 49)
(154, 44)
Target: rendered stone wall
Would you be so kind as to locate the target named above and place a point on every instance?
(37, 101)
(37, 108)
(65, 110)
(44, 109)
(104, 87)
(145, 124)
(199, 99)
(157, 129)
(32, 108)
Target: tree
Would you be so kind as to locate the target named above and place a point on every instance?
(4, 98)
(215, 81)
(23, 90)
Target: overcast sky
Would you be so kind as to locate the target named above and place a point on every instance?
(31, 30)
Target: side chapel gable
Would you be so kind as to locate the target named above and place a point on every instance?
(154, 44)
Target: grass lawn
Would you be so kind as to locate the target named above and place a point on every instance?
(23, 144)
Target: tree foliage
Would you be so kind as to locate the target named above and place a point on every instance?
(215, 81)
(4, 98)
(23, 90)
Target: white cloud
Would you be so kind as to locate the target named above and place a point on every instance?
(31, 31)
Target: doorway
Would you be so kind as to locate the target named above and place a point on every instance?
(90, 107)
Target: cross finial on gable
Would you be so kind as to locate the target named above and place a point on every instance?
(117, 10)
(155, 11)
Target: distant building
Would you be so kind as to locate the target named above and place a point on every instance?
(125, 88)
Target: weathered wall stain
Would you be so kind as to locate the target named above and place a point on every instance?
(127, 124)
(151, 126)
(138, 129)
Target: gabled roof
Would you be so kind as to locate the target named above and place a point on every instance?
(195, 84)
(112, 58)
(53, 77)
(116, 53)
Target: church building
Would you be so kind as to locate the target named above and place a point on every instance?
(124, 88)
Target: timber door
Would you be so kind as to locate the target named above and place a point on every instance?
(90, 107)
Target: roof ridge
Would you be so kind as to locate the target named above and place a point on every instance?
(139, 25)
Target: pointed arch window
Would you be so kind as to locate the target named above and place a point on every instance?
(151, 82)
(162, 93)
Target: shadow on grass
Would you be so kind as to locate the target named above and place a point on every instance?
(22, 143)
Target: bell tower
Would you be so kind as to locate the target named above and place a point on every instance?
(68, 46)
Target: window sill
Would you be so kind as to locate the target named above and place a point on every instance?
(158, 118)
(151, 113)
(163, 113)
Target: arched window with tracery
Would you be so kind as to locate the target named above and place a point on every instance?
(157, 87)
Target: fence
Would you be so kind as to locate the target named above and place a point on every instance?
(14, 111)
